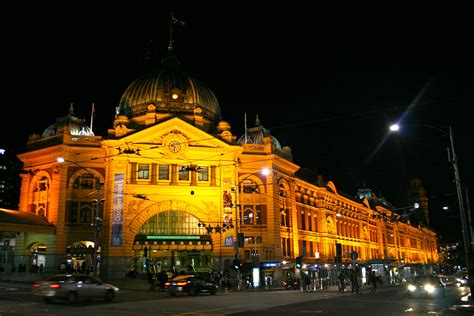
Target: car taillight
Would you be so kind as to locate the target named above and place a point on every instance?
(36, 285)
(182, 283)
(168, 283)
(55, 286)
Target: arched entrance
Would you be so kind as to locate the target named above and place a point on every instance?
(38, 256)
(173, 241)
(79, 257)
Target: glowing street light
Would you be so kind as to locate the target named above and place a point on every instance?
(97, 219)
(454, 161)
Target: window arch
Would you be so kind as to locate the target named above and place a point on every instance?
(81, 205)
(171, 223)
(39, 203)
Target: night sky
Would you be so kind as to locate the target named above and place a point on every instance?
(326, 79)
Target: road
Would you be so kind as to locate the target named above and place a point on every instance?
(17, 300)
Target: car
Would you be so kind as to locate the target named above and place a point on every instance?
(73, 287)
(190, 284)
(428, 286)
(291, 284)
(462, 280)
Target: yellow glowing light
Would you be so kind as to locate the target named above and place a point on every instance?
(174, 96)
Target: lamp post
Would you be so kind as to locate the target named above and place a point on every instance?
(265, 172)
(97, 219)
(453, 159)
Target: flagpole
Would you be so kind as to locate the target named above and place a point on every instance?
(245, 126)
(92, 114)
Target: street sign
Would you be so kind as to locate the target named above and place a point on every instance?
(229, 241)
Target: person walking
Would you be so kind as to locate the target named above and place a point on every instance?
(151, 280)
(342, 281)
(226, 282)
(373, 279)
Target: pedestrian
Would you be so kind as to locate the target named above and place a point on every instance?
(226, 282)
(373, 279)
(342, 281)
(354, 282)
(151, 280)
(269, 283)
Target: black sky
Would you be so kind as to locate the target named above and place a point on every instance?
(326, 79)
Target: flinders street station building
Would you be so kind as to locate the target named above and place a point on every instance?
(170, 187)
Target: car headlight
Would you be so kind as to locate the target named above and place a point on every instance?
(411, 288)
(429, 288)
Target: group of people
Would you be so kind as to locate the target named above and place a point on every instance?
(348, 276)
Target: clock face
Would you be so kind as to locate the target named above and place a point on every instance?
(174, 146)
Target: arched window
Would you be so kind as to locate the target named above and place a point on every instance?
(39, 203)
(249, 217)
(248, 186)
(82, 204)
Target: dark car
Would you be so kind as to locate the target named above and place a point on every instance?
(428, 286)
(291, 284)
(72, 287)
(190, 284)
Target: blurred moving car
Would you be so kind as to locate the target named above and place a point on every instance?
(72, 287)
(291, 284)
(428, 286)
(190, 284)
(462, 280)
(448, 280)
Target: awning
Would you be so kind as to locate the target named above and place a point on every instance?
(19, 221)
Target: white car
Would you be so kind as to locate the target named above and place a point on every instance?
(462, 280)
(72, 287)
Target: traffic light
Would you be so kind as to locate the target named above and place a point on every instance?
(240, 240)
(338, 249)
(299, 262)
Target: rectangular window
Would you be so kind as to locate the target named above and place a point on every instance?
(203, 173)
(163, 172)
(143, 171)
(183, 174)
(72, 212)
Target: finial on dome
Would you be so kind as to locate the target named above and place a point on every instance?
(171, 62)
(257, 121)
(71, 109)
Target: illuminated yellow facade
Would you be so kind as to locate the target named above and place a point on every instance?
(177, 187)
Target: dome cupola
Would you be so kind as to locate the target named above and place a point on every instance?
(258, 135)
(170, 91)
(70, 125)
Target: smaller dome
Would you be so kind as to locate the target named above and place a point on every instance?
(69, 124)
(223, 126)
(258, 135)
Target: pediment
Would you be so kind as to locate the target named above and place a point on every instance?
(171, 137)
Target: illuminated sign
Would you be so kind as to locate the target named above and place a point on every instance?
(271, 264)
(173, 237)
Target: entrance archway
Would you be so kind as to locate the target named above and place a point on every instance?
(173, 241)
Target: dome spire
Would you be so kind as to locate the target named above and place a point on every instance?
(171, 62)
(257, 121)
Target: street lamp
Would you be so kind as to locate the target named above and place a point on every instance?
(454, 161)
(265, 172)
(97, 219)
